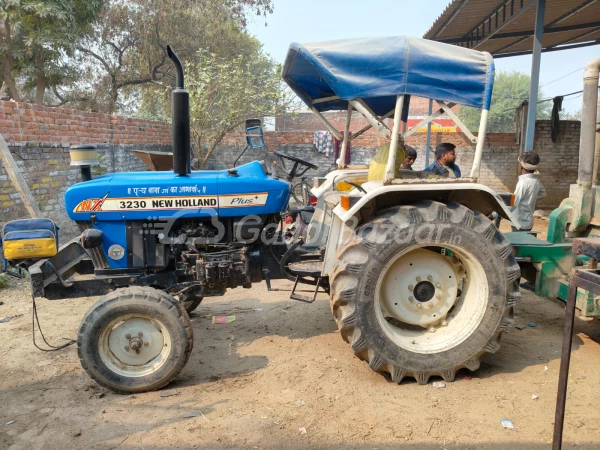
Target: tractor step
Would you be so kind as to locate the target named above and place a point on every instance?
(304, 298)
(311, 269)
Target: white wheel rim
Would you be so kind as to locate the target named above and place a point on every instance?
(416, 299)
(134, 345)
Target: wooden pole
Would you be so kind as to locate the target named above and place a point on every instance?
(17, 180)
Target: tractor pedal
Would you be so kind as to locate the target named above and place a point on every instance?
(303, 298)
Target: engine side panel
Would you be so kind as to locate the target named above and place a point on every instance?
(128, 207)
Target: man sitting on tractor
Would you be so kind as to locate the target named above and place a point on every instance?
(444, 164)
(411, 157)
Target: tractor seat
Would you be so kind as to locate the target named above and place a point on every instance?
(308, 209)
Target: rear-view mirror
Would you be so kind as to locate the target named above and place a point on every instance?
(254, 134)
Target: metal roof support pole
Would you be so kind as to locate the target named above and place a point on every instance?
(535, 74)
(428, 143)
(479, 147)
(372, 118)
(427, 121)
(368, 127)
(390, 169)
(458, 122)
(342, 157)
(587, 136)
(330, 127)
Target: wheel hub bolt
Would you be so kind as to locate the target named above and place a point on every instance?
(127, 336)
(439, 297)
(411, 299)
(419, 305)
(140, 334)
(146, 343)
(418, 278)
(410, 288)
(430, 304)
(429, 277)
(136, 344)
(127, 347)
(438, 285)
(432, 330)
(444, 323)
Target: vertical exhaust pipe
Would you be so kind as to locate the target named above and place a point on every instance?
(180, 103)
(588, 123)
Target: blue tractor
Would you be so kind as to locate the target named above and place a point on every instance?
(421, 282)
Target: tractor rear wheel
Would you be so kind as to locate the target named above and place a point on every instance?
(424, 290)
(135, 340)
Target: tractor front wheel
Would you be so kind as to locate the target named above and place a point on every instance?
(135, 340)
(424, 290)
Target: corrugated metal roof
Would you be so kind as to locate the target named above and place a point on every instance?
(504, 27)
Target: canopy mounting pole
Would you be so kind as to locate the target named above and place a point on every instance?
(368, 127)
(428, 143)
(372, 118)
(458, 122)
(427, 121)
(535, 74)
(342, 156)
(330, 127)
(480, 141)
(390, 170)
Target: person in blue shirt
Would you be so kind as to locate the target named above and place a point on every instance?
(445, 162)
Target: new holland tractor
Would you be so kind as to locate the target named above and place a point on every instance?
(421, 283)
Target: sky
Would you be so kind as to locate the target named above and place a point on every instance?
(319, 20)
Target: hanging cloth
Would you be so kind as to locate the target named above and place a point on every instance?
(338, 149)
(323, 141)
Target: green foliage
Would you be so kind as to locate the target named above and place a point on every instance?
(35, 39)
(224, 92)
(125, 60)
(3, 280)
(510, 89)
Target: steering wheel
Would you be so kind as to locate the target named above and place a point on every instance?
(299, 168)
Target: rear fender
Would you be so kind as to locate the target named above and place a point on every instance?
(477, 197)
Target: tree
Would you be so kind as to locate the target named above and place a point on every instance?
(35, 38)
(126, 60)
(510, 89)
(225, 92)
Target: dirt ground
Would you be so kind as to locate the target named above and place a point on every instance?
(281, 366)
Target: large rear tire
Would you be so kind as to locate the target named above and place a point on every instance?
(424, 290)
(135, 340)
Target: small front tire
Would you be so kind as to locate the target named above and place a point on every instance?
(135, 340)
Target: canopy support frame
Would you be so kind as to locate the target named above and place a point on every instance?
(330, 127)
(430, 118)
(369, 126)
(458, 122)
(344, 150)
(475, 170)
(372, 118)
(390, 169)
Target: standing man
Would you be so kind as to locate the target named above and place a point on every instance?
(528, 191)
(411, 157)
(445, 162)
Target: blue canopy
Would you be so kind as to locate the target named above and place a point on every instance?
(378, 69)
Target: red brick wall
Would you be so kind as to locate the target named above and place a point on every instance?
(24, 122)
(39, 137)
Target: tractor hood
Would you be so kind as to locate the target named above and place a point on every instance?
(138, 195)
